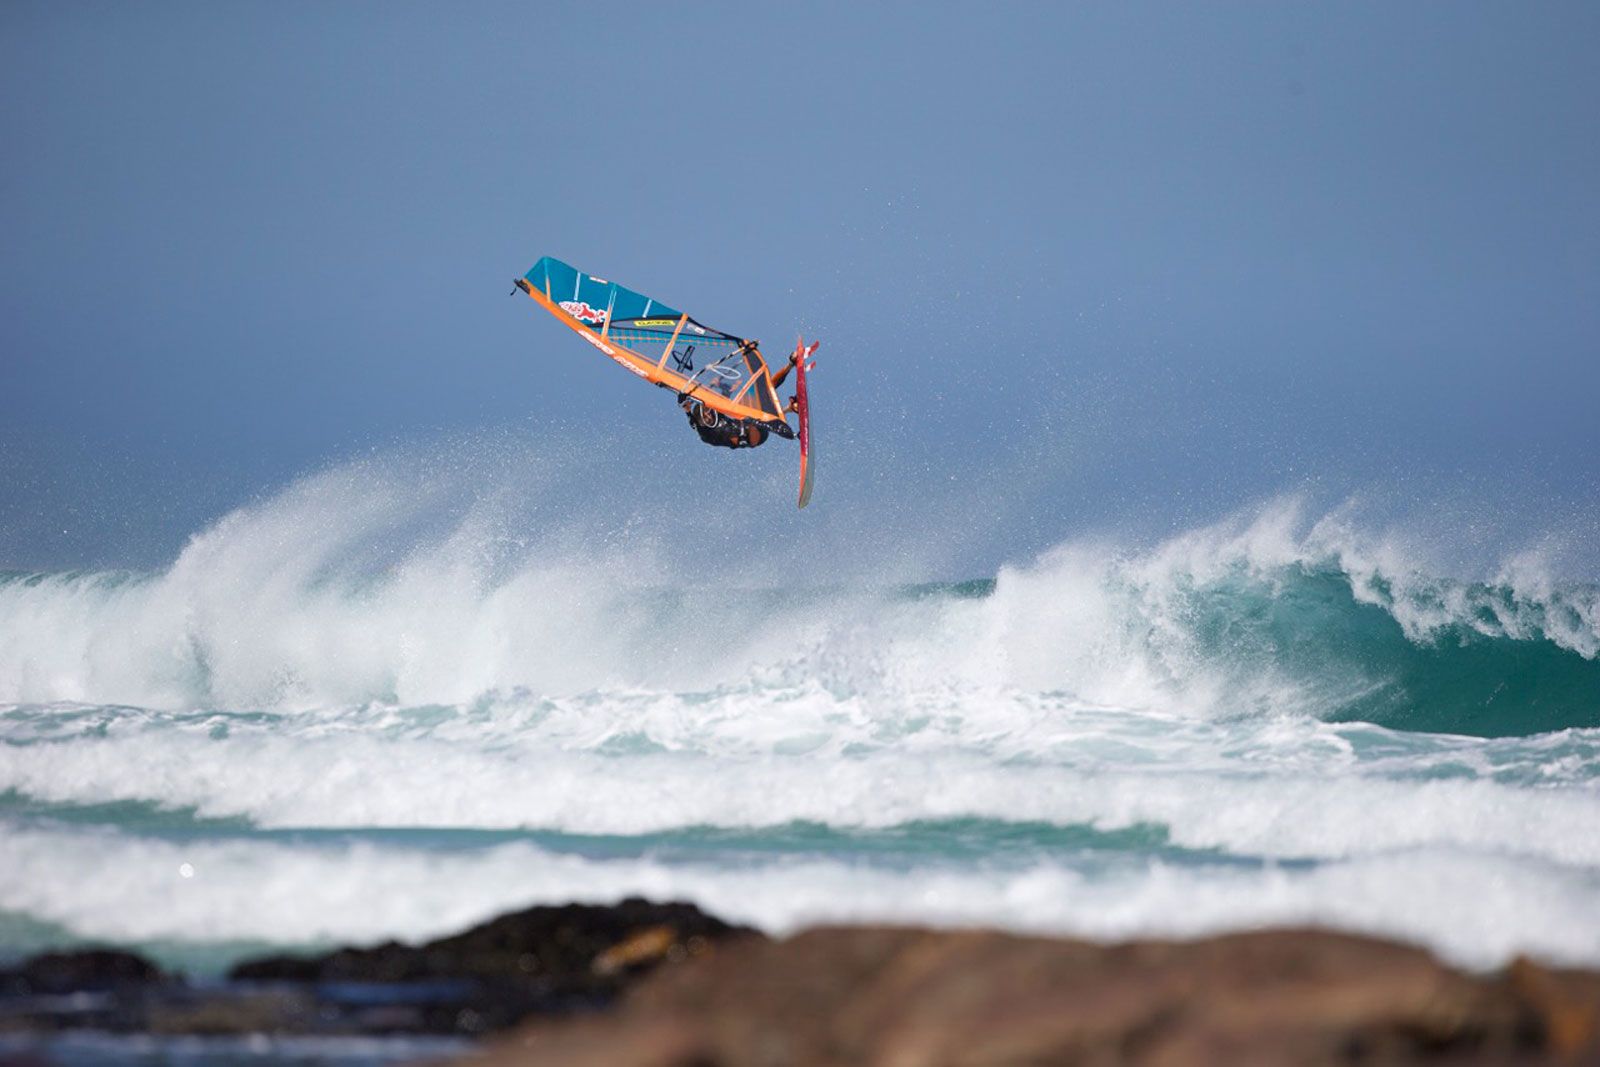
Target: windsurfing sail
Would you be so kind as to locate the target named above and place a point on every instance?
(659, 343)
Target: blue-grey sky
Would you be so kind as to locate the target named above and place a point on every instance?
(1070, 264)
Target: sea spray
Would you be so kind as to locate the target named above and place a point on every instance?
(338, 594)
(388, 702)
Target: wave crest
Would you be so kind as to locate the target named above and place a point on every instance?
(366, 584)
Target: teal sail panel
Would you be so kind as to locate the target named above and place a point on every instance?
(588, 299)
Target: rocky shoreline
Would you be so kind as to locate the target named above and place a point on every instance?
(540, 962)
(885, 997)
(641, 984)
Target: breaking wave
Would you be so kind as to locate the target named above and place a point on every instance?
(358, 587)
(398, 697)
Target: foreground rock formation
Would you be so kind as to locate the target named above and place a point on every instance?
(544, 961)
(639, 984)
(918, 998)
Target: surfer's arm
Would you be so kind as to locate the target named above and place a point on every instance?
(782, 373)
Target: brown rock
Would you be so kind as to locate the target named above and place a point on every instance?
(1566, 1002)
(887, 997)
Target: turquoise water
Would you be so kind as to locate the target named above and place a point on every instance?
(329, 721)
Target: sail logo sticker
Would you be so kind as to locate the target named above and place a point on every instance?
(601, 345)
(654, 322)
(583, 312)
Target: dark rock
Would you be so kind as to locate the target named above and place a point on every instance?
(79, 971)
(549, 945)
(99, 989)
(915, 998)
(280, 1010)
(544, 960)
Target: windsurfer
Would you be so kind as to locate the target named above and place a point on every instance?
(716, 428)
(725, 388)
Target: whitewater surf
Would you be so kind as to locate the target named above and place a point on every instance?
(353, 712)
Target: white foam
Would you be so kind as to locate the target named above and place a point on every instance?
(1476, 908)
(371, 582)
(1283, 788)
(390, 653)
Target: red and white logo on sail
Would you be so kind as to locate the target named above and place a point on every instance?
(583, 312)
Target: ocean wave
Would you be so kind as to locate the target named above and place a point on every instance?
(1272, 613)
(415, 705)
(1288, 789)
(356, 587)
(174, 895)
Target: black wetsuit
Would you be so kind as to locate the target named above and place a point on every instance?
(723, 431)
